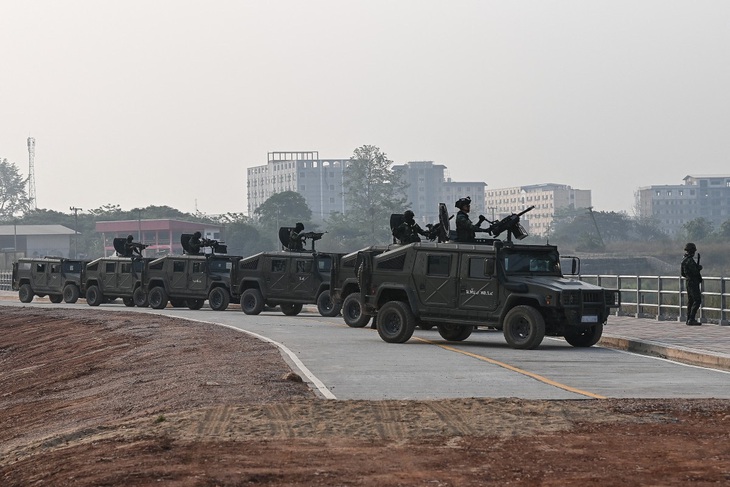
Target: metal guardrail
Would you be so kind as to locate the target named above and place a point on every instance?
(6, 281)
(665, 297)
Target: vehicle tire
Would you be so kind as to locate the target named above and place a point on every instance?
(326, 305)
(455, 333)
(195, 303)
(128, 302)
(352, 312)
(178, 303)
(219, 299)
(583, 337)
(94, 297)
(71, 293)
(140, 298)
(25, 293)
(252, 303)
(158, 297)
(291, 309)
(396, 322)
(55, 298)
(524, 327)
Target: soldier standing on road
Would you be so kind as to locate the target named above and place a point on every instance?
(408, 231)
(465, 229)
(296, 240)
(691, 272)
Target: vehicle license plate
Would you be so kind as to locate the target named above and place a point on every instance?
(589, 319)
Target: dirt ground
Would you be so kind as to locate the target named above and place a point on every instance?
(94, 398)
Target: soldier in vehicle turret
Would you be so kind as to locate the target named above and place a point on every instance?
(465, 229)
(133, 249)
(194, 244)
(408, 231)
(296, 239)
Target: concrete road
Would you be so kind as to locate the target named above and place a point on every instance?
(354, 363)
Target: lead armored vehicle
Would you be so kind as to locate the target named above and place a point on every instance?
(118, 276)
(456, 286)
(56, 277)
(287, 278)
(193, 277)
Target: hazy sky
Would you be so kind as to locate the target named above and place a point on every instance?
(149, 102)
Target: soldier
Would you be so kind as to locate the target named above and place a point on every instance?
(195, 243)
(296, 240)
(131, 248)
(691, 272)
(408, 231)
(465, 229)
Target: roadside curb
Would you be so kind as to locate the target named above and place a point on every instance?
(676, 353)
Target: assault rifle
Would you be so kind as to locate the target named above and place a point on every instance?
(509, 224)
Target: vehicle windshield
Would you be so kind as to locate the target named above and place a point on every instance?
(220, 266)
(532, 263)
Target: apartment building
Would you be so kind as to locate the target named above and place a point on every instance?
(706, 196)
(547, 198)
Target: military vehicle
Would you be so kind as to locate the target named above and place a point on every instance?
(56, 277)
(287, 278)
(456, 286)
(344, 285)
(119, 276)
(191, 278)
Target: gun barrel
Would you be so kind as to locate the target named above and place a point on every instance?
(526, 210)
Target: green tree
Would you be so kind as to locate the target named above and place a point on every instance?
(283, 210)
(698, 229)
(13, 198)
(242, 236)
(373, 191)
(724, 231)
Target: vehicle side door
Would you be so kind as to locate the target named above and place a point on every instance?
(126, 277)
(198, 280)
(178, 275)
(108, 271)
(302, 279)
(434, 277)
(478, 285)
(55, 278)
(39, 276)
(276, 275)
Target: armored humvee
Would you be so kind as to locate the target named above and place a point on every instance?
(56, 277)
(456, 286)
(191, 278)
(287, 278)
(119, 276)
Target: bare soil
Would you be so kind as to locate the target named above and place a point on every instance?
(94, 398)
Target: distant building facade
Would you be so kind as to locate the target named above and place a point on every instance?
(319, 181)
(33, 241)
(547, 198)
(162, 236)
(429, 185)
(672, 206)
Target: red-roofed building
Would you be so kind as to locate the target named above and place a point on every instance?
(162, 235)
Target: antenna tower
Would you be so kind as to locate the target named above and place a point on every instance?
(31, 173)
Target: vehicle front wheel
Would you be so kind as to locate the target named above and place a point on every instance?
(158, 297)
(524, 327)
(94, 297)
(252, 303)
(71, 293)
(326, 305)
(583, 337)
(455, 333)
(291, 309)
(219, 299)
(140, 298)
(25, 293)
(396, 322)
(352, 312)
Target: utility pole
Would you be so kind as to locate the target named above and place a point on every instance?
(31, 173)
(76, 230)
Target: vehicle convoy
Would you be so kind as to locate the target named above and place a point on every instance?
(58, 278)
(287, 278)
(456, 286)
(191, 278)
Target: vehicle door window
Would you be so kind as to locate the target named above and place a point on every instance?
(55, 268)
(40, 268)
(304, 266)
(178, 266)
(481, 268)
(126, 268)
(110, 266)
(278, 265)
(197, 267)
(438, 265)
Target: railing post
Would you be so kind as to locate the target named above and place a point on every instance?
(658, 297)
(723, 302)
(638, 297)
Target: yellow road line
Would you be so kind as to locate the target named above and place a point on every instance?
(513, 369)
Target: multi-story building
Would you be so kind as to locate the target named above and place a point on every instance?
(429, 185)
(674, 205)
(547, 198)
(319, 181)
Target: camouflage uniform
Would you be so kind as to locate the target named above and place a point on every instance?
(691, 272)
